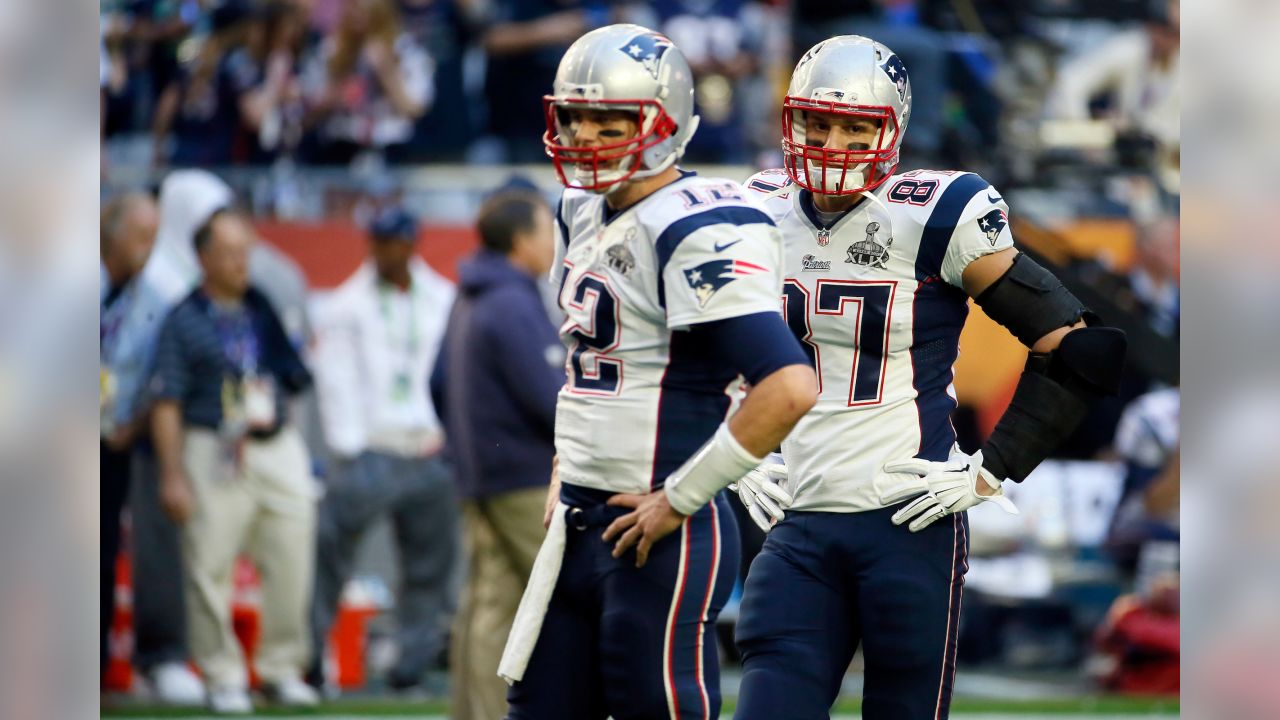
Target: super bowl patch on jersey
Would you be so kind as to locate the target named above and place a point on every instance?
(707, 279)
(870, 252)
(619, 256)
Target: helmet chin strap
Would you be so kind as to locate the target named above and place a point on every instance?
(871, 195)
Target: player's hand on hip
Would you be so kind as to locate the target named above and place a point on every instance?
(761, 492)
(651, 519)
(954, 486)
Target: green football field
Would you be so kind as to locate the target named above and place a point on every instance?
(968, 708)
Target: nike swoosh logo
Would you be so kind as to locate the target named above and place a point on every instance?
(995, 199)
(728, 245)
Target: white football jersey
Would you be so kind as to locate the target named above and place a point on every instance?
(876, 301)
(642, 395)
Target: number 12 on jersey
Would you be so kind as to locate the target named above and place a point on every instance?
(590, 371)
(850, 319)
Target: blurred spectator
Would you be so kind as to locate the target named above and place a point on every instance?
(1142, 639)
(365, 84)
(128, 231)
(1149, 292)
(142, 39)
(113, 69)
(203, 114)
(378, 340)
(1147, 439)
(524, 45)
(234, 472)
(722, 47)
(1133, 78)
(272, 109)
(446, 28)
(496, 383)
(187, 198)
(1153, 281)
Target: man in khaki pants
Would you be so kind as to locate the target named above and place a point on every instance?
(495, 386)
(234, 473)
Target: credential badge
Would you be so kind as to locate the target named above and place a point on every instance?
(870, 252)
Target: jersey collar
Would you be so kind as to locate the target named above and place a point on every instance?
(608, 214)
(805, 200)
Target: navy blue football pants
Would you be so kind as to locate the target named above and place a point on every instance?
(632, 643)
(825, 583)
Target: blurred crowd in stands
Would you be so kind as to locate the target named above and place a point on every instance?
(1071, 107)
(329, 82)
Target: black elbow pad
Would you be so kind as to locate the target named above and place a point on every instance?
(1089, 361)
(1053, 395)
(1031, 302)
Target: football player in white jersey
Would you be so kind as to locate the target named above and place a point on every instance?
(879, 271)
(670, 284)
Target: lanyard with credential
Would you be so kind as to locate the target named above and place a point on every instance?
(401, 382)
(238, 338)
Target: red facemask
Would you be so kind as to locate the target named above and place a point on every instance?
(600, 167)
(829, 171)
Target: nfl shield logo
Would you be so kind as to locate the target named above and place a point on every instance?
(824, 237)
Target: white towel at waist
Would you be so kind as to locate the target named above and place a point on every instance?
(533, 605)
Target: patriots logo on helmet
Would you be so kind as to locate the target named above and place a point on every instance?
(813, 51)
(992, 225)
(897, 72)
(647, 50)
(707, 279)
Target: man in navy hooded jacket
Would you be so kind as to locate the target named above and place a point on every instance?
(495, 384)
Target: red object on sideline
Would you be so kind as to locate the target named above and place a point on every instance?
(1146, 646)
(118, 675)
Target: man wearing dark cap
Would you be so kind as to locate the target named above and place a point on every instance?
(378, 334)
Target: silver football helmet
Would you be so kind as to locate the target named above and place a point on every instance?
(849, 76)
(621, 67)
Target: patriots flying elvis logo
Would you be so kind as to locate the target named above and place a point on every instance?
(897, 72)
(647, 50)
(706, 279)
(992, 225)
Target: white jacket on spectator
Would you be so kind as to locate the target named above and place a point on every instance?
(376, 347)
(1146, 94)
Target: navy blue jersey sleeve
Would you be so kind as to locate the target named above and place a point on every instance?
(755, 345)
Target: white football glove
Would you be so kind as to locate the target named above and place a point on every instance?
(952, 488)
(762, 494)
